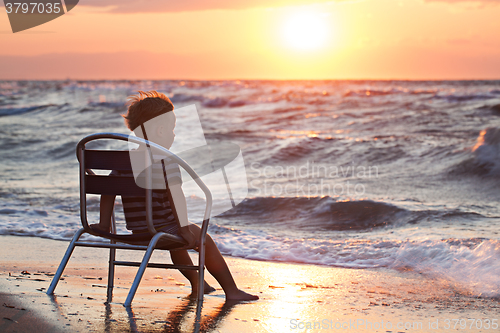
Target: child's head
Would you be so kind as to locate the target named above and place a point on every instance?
(155, 111)
(145, 106)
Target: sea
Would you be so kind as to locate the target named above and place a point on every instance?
(360, 174)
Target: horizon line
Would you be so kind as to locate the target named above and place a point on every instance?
(250, 79)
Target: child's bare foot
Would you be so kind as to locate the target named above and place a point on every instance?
(208, 289)
(240, 295)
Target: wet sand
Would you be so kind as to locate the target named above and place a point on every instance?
(293, 297)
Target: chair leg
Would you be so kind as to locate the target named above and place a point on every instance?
(111, 273)
(142, 268)
(64, 262)
(201, 279)
(112, 257)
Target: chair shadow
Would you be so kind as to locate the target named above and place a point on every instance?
(177, 320)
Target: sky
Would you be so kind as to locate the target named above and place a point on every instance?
(259, 39)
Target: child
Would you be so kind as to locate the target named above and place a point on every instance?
(153, 106)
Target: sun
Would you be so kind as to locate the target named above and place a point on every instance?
(305, 30)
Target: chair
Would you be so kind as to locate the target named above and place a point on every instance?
(91, 183)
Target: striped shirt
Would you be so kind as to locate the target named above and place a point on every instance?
(135, 207)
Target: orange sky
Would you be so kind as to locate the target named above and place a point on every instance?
(221, 39)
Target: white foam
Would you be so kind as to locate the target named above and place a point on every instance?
(473, 265)
(345, 253)
(473, 268)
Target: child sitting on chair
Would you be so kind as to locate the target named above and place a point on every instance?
(142, 108)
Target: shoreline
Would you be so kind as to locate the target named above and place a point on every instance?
(293, 297)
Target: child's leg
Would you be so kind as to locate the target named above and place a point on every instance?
(216, 265)
(181, 257)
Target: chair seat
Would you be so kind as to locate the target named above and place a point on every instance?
(172, 242)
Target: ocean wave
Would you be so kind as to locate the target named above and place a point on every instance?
(5, 101)
(384, 92)
(283, 214)
(183, 98)
(63, 151)
(19, 111)
(219, 102)
(221, 135)
(208, 101)
(472, 264)
(117, 107)
(280, 110)
(487, 150)
(259, 245)
(495, 108)
(59, 221)
(333, 149)
(327, 213)
(463, 97)
(313, 148)
(485, 159)
(371, 92)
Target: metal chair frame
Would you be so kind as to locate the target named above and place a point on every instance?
(116, 242)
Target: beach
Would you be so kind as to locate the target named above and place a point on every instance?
(366, 206)
(293, 297)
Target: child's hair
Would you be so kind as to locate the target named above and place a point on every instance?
(146, 106)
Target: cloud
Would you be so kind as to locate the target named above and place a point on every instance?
(157, 6)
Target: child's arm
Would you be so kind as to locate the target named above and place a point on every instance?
(181, 209)
(106, 210)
